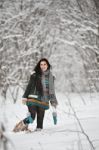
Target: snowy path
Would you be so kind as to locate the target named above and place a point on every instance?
(66, 135)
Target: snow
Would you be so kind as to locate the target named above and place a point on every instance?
(65, 32)
(67, 42)
(67, 134)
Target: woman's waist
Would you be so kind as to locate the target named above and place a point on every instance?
(34, 100)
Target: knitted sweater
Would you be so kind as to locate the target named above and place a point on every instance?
(38, 93)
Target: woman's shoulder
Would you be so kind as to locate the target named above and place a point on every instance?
(33, 74)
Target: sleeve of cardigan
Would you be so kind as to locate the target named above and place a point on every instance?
(53, 99)
(28, 88)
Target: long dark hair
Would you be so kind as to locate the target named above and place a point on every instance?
(37, 68)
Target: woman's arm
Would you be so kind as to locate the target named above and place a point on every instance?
(28, 88)
(53, 99)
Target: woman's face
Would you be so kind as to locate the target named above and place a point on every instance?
(43, 66)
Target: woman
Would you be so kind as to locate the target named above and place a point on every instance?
(39, 91)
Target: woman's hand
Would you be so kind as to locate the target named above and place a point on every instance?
(24, 100)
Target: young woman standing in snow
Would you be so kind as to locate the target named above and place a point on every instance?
(39, 91)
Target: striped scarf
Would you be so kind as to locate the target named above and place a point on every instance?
(48, 86)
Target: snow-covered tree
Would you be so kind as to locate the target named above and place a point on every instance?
(64, 31)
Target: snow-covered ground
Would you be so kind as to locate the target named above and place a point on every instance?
(77, 127)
